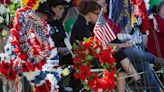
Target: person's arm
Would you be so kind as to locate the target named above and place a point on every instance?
(118, 46)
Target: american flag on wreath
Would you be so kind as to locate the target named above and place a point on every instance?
(103, 31)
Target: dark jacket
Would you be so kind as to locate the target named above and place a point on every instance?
(57, 33)
(80, 30)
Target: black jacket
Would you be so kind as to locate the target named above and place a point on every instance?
(80, 30)
(57, 33)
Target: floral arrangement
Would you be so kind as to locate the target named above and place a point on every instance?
(37, 57)
(32, 3)
(86, 53)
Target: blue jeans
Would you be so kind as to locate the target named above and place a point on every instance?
(141, 61)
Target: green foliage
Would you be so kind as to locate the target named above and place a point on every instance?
(14, 5)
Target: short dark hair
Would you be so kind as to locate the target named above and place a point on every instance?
(54, 3)
(160, 6)
(44, 8)
(88, 6)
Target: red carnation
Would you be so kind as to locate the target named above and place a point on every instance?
(76, 75)
(110, 79)
(111, 61)
(84, 72)
(76, 60)
(87, 45)
(102, 58)
(91, 83)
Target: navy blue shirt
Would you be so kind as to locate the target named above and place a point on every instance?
(57, 33)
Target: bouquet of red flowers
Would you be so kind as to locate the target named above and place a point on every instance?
(85, 54)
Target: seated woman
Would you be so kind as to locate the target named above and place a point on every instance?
(89, 12)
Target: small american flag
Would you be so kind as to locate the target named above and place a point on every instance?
(103, 31)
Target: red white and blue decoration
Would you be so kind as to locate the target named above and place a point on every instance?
(35, 55)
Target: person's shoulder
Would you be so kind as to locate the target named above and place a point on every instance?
(79, 24)
(51, 22)
(80, 20)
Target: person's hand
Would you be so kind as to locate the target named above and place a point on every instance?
(128, 45)
(121, 45)
(63, 50)
(125, 45)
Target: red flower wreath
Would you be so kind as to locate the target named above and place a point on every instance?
(85, 52)
(37, 45)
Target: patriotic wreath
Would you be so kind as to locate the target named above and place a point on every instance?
(37, 57)
(86, 53)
